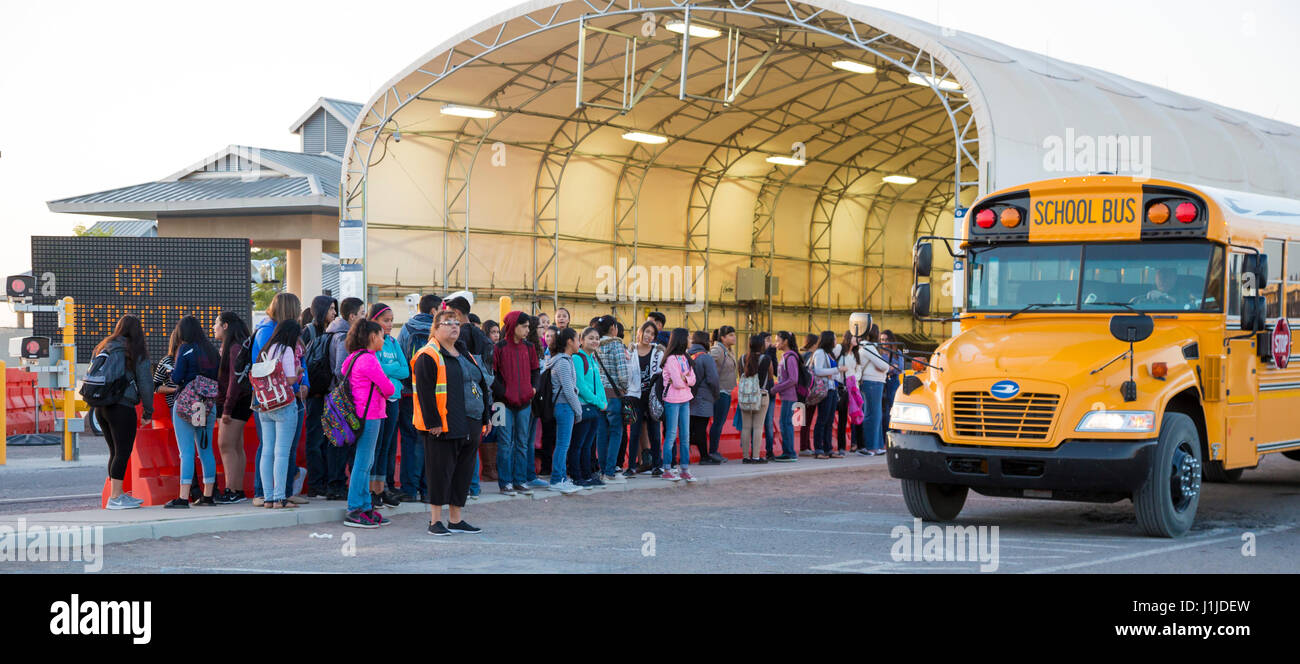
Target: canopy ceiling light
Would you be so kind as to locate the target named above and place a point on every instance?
(468, 111)
(702, 31)
(941, 83)
(785, 161)
(900, 179)
(642, 137)
(853, 66)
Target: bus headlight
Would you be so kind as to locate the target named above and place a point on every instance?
(1118, 421)
(914, 414)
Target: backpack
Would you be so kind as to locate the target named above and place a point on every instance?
(340, 421)
(695, 389)
(244, 362)
(195, 402)
(750, 389)
(803, 382)
(320, 365)
(544, 398)
(271, 388)
(107, 380)
(817, 388)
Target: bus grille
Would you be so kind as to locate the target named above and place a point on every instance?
(1026, 417)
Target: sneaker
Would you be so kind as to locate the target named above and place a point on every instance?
(359, 519)
(806, 452)
(376, 501)
(298, 500)
(131, 499)
(317, 493)
(568, 487)
(509, 490)
(259, 501)
(538, 483)
(224, 498)
(762, 460)
(657, 472)
(709, 461)
(390, 498)
(785, 459)
(686, 475)
(718, 457)
(464, 527)
(629, 473)
(524, 489)
(614, 479)
(877, 452)
(177, 504)
(407, 497)
(670, 474)
(748, 460)
(336, 495)
(436, 528)
(473, 495)
(121, 503)
(596, 483)
(379, 518)
(205, 501)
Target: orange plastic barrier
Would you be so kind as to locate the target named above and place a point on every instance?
(22, 401)
(153, 473)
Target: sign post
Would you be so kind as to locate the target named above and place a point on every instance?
(70, 451)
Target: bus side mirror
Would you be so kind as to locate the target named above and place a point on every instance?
(1256, 265)
(922, 260)
(1252, 312)
(1131, 328)
(921, 300)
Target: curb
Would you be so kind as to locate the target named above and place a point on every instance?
(256, 518)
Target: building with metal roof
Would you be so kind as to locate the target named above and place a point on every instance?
(276, 198)
(564, 142)
(124, 228)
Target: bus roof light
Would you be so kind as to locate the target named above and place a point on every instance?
(1158, 213)
(1185, 212)
(1010, 217)
(985, 219)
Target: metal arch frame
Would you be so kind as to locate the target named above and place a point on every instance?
(353, 193)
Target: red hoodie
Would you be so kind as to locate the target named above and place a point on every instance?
(514, 363)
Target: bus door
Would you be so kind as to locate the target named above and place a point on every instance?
(1240, 379)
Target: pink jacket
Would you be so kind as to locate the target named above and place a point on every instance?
(368, 374)
(678, 379)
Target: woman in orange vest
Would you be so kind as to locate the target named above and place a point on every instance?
(452, 412)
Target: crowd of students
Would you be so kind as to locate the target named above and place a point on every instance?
(531, 403)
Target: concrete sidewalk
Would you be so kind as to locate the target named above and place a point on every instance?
(157, 522)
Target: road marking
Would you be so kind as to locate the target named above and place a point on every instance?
(10, 501)
(1164, 549)
(252, 570)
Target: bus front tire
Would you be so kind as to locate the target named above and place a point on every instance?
(1214, 472)
(1294, 455)
(1166, 503)
(929, 501)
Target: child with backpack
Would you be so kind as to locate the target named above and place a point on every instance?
(393, 361)
(592, 395)
(234, 402)
(370, 390)
(275, 378)
(678, 377)
(754, 385)
(787, 388)
(119, 379)
(195, 377)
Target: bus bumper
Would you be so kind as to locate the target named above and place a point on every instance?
(1100, 470)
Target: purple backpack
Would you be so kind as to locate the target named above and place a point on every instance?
(339, 420)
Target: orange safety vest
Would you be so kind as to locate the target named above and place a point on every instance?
(434, 351)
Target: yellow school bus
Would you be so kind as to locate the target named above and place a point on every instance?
(1119, 338)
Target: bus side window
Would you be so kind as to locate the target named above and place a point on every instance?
(1273, 293)
(1293, 279)
(1234, 284)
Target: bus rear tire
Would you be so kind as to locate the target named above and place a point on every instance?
(1166, 503)
(1214, 472)
(1294, 455)
(929, 501)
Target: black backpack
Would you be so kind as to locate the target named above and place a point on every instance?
(544, 398)
(244, 362)
(107, 380)
(320, 365)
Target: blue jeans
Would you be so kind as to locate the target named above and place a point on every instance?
(825, 418)
(412, 448)
(788, 443)
(584, 440)
(276, 430)
(512, 446)
(359, 482)
(187, 438)
(291, 470)
(872, 429)
(609, 435)
(720, 409)
(316, 468)
(891, 388)
(677, 417)
(386, 445)
(563, 435)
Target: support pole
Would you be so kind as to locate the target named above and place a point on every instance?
(69, 394)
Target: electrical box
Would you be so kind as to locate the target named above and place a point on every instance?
(750, 286)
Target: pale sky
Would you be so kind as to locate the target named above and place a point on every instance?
(98, 95)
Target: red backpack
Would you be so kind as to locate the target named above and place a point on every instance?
(271, 388)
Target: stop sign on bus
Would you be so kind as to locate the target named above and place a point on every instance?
(1281, 344)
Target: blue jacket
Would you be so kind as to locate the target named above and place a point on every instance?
(190, 364)
(393, 362)
(413, 336)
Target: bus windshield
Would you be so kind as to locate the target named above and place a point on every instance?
(1147, 276)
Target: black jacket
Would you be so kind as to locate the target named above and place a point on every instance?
(426, 373)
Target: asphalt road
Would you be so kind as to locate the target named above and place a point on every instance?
(825, 522)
